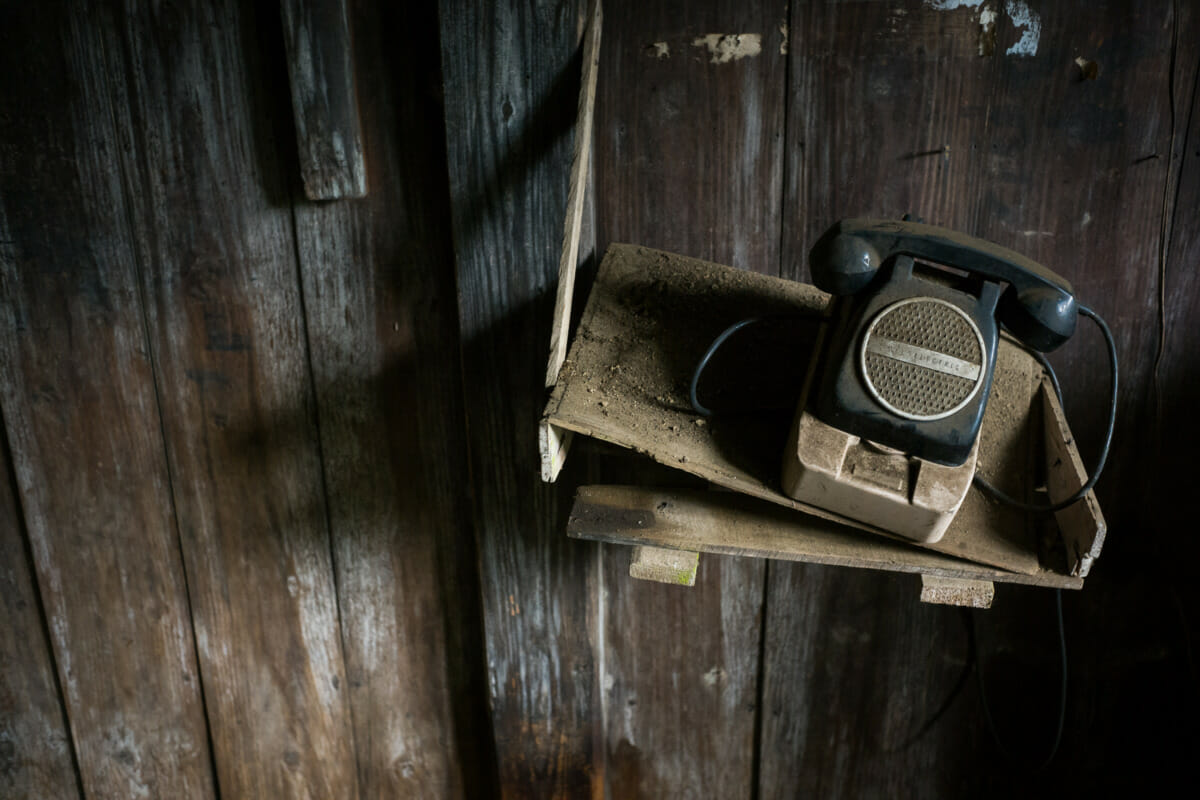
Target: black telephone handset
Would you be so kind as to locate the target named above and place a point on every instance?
(908, 359)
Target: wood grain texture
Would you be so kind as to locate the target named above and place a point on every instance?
(214, 239)
(689, 158)
(893, 109)
(511, 83)
(729, 523)
(378, 279)
(316, 34)
(577, 193)
(36, 756)
(79, 406)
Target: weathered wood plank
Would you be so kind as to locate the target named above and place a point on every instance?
(82, 420)
(511, 83)
(36, 756)
(689, 158)
(893, 109)
(379, 301)
(577, 192)
(728, 523)
(316, 34)
(214, 239)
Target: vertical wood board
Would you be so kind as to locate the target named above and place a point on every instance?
(379, 299)
(511, 83)
(689, 157)
(324, 102)
(978, 117)
(199, 121)
(36, 756)
(82, 420)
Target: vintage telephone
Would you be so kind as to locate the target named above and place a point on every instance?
(887, 427)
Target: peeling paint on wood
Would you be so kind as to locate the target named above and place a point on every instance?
(726, 47)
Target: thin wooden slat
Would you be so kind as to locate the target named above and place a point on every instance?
(689, 158)
(576, 194)
(214, 238)
(728, 523)
(511, 82)
(36, 756)
(320, 63)
(80, 412)
(553, 442)
(378, 286)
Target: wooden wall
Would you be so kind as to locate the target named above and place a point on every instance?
(270, 516)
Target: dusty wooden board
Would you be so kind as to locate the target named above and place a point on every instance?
(36, 756)
(688, 156)
(214, 241)
(379, 300)
(81, 416)
(649, 318)
(728, 523)
(511, 85)
(320, 64)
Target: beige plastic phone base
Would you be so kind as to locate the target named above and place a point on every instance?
(911, 497)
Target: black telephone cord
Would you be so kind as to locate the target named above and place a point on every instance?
(979, 480)
(1112, 420)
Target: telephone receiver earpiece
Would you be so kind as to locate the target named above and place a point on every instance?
(1038, 307)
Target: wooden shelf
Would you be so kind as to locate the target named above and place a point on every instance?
(650, 316)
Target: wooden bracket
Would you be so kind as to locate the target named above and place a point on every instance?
(957, 591)
(553, 443)
(664, 566)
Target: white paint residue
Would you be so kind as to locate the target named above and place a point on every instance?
(714, 676)
(726, 47)
(950, 5)
(1022, 17)
(987, 25)
(1087, 220)
(783, 30)
(660, 50)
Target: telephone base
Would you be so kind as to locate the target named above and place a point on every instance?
(911, 497)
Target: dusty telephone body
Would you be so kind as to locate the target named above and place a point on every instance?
(887, 428)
